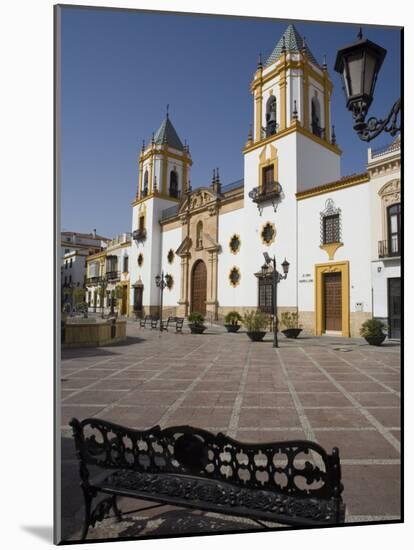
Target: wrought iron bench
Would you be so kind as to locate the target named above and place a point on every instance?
(179, 321)
(290, 482)
(154, 322)
(143, 322)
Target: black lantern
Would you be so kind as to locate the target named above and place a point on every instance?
(359, 65)
(285, 267)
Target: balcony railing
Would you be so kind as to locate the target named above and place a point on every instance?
(139, 234)
(93, 280)
(266, 192)
(389, 249)
(113, 275)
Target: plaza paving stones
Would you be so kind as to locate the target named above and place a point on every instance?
(307, 389)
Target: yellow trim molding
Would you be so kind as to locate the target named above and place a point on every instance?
(331, 248)
(348, 181)
(290, 130)
(320, 270)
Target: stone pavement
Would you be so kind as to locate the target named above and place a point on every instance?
(338, 392)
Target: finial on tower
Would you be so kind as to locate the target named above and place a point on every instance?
(259, 63)
(152, 139)
(217, 175)
(213, 181)
(324, 65)
(143, 146)
(283, 44)
(304, 47)
(168, 106)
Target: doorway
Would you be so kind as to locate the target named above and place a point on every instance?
(199, 287)
(394, 307)
(333, 301)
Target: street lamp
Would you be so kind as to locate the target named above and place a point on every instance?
(359, 65)
(161, 282)
(276, 278)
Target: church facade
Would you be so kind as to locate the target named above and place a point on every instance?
(292, 203)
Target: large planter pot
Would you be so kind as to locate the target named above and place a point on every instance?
(197, 329)
(232, 328)
(292, 332)
(256, 336)
(375, 340)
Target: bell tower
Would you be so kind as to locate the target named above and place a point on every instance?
(163, 178)
(292, 95)
(291, 147)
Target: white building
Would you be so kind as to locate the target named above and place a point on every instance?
(107, 270)
(292, 203)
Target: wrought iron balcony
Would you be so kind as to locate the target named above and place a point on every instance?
(387, 251)
(113, 276)
(139, 234)
(266, 192)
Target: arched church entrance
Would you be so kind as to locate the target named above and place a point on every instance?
(199, 287)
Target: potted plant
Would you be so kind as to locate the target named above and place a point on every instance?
(232, 321)
(196, 323)
(372, 331)
(290, 321)
(255, 322)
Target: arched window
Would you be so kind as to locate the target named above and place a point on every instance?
(173, 184)
(330, 223)
(271, 124)
(199, 238)
(145, 186)
(316, 117)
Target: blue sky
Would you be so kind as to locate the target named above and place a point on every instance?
(121, 68)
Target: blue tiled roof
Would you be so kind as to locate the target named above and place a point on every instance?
(166, 134)
(293, 43)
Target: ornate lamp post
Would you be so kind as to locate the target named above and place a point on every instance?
(161, 282)
(276, 278)
(359, 65)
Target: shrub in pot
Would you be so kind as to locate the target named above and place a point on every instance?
(373, 331)
(290, 321)
(196, 323)
(232, 321)
(255, 323)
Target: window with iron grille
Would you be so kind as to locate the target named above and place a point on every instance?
(331, 223)
(265, 295)
(331, 230)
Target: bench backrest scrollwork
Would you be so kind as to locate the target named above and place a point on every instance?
(296, 468)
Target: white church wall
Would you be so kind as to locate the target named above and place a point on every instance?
(171, 239)
(231, 223)
(316, 164)
(355, 236)
(284, 221)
